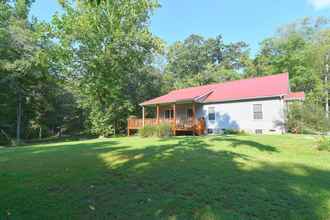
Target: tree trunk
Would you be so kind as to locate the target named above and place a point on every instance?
(40, 133)
(326, 90)
(18, 116)
(327, 57)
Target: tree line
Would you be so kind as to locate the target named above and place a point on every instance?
(87, 70)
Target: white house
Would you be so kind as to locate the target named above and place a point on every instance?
(255, 105)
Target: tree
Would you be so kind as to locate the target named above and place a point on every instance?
(19, 56)
(298, 48)
(106, 53)
(199, 61)
(29, 82)
(307, 117)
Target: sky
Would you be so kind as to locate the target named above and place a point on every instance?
(236, 20)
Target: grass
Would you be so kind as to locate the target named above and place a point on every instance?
(213, 177)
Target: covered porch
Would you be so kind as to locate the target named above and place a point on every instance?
(181, 116)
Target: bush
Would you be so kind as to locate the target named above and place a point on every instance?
(147, 131)
(164, 130)
(161, 130)
(324, 144)
(234, 132)
(308, 118)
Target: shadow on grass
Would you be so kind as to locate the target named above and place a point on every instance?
(235, 142)
(179, 178)
(187, 180)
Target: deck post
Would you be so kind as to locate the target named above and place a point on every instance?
(128, 126)
(194, 117)
(143, 113)
(174, 119)
(157, 113)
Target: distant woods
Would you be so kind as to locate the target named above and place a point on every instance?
(88, 69)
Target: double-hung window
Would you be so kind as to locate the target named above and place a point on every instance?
(211, 113)
(257, 111)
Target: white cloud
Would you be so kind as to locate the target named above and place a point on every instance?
(320, 4)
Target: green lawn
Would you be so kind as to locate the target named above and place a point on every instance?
(214, 177)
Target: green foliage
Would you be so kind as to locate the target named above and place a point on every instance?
(148, 131)
(324, 144)
(106, 53)
(234, 132)
(308, 117)
(34, 102)
(199, 61)
(164, 130)
(161, 130)
(298, 48)
(100, 123)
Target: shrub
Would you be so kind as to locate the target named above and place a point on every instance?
(164, 130)
(161, 130)
(148, 131)
(308, 117)
(234, 132)
(324, 144)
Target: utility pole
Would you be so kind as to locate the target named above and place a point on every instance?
(326, 75)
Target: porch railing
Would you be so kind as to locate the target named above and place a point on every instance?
(183, 124)
(136, 123)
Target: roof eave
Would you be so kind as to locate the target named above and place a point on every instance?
(243, 99)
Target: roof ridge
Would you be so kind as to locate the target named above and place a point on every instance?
(231, 81)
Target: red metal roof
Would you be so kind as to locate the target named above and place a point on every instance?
(295, 96)
(259, 87)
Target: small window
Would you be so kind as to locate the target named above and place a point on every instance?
(211, 114)
(168, 114)
(189, 113)
(258, 131)
(257, 111)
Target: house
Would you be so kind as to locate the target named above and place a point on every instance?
(255, 105)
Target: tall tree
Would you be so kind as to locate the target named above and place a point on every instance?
(198, 61)
(298, 48)
(19, 55)
(107, 52)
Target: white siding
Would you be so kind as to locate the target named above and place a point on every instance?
(239, 116)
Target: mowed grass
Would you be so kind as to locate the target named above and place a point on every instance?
(213, 177)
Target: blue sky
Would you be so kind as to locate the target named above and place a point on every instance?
(236, 20)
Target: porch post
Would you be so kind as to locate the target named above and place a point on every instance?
(143, 113)
(157, 113)
(194, 116)
(174, 119)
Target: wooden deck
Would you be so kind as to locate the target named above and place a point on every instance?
(196, 127)
(189, 123)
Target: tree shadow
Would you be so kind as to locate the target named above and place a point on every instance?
(236, 142)
(187, 180)
(179, 178)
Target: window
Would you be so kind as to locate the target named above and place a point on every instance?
(258, 131)
(168, 114)
(189, 113)
(211, 112)
(257, 111)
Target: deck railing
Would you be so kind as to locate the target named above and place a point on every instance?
(184, 124)
(136, 123)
